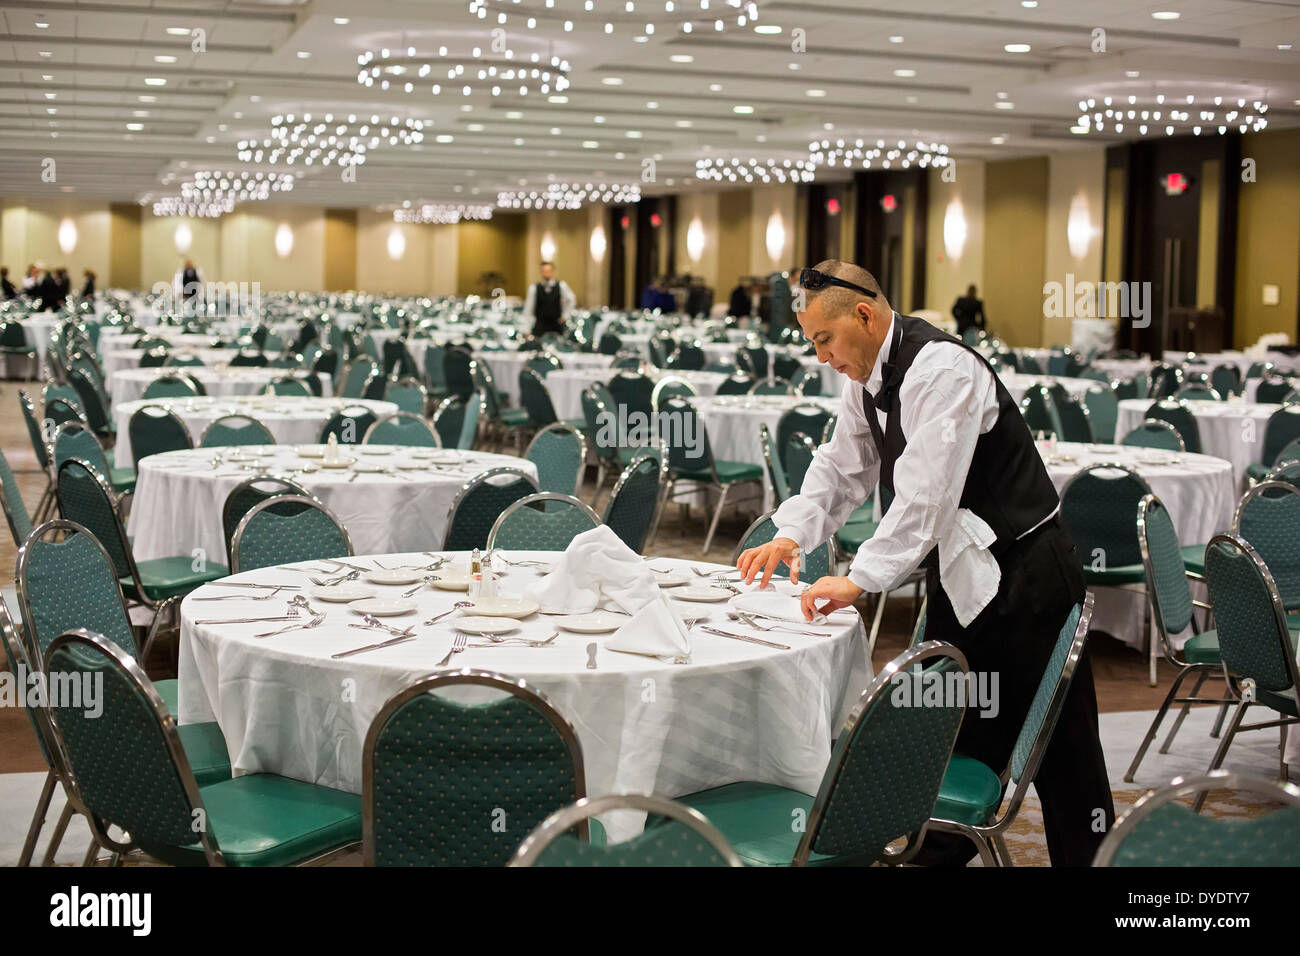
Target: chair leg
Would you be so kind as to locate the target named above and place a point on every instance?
(1004, 854)
(660, 506)
(59, 829)
(1178, 722)
(717, 514)
(1218, 721)
(38, 819)
(1155, 724)
(92, 852)
(1283, 772)
(1151, 646)
(1222, 752)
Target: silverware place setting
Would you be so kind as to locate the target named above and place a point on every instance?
(457, 646)
(495, 641)
(772, 624)
(744, 637)
(316, 621)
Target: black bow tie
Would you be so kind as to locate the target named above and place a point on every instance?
(890, 378)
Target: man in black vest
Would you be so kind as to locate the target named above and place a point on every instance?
(973, 504)
(548, 302)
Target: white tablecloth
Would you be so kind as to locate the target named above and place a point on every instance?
(1018, 384)
(566, 385)
(1204, 361)
(129, 384)
(120, 359)
(179, 495)
(1231, 430)
(739, 711)
(1198, 490)
(506, 365)
(37, 329)
(292, 420)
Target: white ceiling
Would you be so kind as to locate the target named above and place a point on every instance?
(101, 52)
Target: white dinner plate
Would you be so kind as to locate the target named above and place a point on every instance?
(486, 625)
(672, 579)
(451, 580)
(425, 453)
(376, 449)
(413, 465)
(370, 467)
(395, 576)
(382, 607)
(343, 593)
(341, 463)
(598, 622)
(700, 592)
(503, 607)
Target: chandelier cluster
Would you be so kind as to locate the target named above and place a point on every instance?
(329, 139)
(644, 16)
(215, 186)
(899, 155)
(442, 213)
(569, 195)
(1171, 115)
(750, 170)
(194, 209)
(410, 72)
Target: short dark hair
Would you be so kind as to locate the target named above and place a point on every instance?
(548, 262)
(837, 300)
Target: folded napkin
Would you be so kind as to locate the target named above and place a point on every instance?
(970, 573)
(779, 603)
(599, 570)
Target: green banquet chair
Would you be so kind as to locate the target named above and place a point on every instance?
(286, 529)
(479, 503)
(155, 430)
(232, 430)
(546, 521)
(402, 428)
(634, 504)
(560, 453)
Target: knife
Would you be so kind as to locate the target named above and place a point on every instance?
(744, 637)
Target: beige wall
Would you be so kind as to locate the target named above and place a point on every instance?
(1074, 176)
(570, 230)
(1015, 233)
(340, 249)
(496, 245)
(123, 246)
(29, 233)
(427, 265)
(1268, 241)
(701, 207)
(159, 258)
(947, 278)
(768, 201)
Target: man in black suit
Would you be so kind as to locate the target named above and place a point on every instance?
(6, 287)
(549, 302)
(968, 310)
(47, 290)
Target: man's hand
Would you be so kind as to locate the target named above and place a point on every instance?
(766, 558)
(837, 592)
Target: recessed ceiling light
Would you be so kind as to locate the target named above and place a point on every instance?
(222, 127)
(51, 110)
(475, 127)
(684, 124)
(767, 29)
(139, 112)
(46, 77)
(620, 155)
(905, 73)
(44, 53)
(1016, 47)
(155, 81)
(179, 31)
(817, 93)
(760, 138)
(211, 139)
(147, 99)
(1166, 15)
(911, 99)
(50, 96)
(557, 99)
(641, 39)
(555, 131)
(303, 54)
(633, 134)
(895, 39)
(682, 58)
(1295, 102)
(135, 126)
(828, 126)
(1004, 105)
(254, 99)
(1029, 4)
(237, 115)
(652, 105)
(794, 66)
(42, 25)
(519, 142)
(612, 80)
(1284, 46)
(445, 138)
(1002, 94)
(742, 109)
(164, 58)
(598, 119)
(997, 140)
(1079, 130)
(514, 114)
(590, 144)
(1132, 74)
(466, 108)
(341, 21)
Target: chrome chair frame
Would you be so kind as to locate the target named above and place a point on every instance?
(571, 500)
(473, 483)
(309, 501)
(563, 426)
(227, 418)
(402, 416)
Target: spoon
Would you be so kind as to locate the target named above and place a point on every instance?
(454, 608)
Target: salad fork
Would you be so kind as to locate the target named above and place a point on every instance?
(772, 624)
(316, 621)
(457, 646)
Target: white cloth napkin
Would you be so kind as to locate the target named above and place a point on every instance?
(777, 604)
(599, 570)
(968, 569)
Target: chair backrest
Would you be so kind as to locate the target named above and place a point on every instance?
(74, 440)
(775, 466)
(799, 452)
(514, 759)
(889, 760)
(1226, 380)
(1249, 617)
(1153, 433)
(775, 386)
(1180, 416)
(287, 385)
(1161, 830)
(1198, 392)
(189, 359)
(170, 385)
(536, 399)
(1166, 380)
(129, 767)
(1075, 425)
(352, 383)
(39, 445)
(448, 421)
(1273, 390)
(402, 428)
(597, 414)
(687, 440)
(348, 425)
(752, 359)
(154, 358)
(547, 521)
(1166, 574)
(155, 430)
(1100, 506)
(681, 836)
(738, 384)
(543, 364)
(633, 390)
(807, 418)
(433, 368)
(1268, 516)
(480, 502)
(253, 491)
(408, 395)
(69, 583)
(631, 510)
(1039, 410)
(670, 387)
(1283, 428)
(268, 535)
(817, 563)
(91, 402)
(457, 374)
(560, 453)
(470, 421)
(1103, 412)
(231, 430)
(11, 500)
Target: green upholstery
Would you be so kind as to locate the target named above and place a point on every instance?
(469, 423)
(1100, 505)
(74, 442)
(163, 578)
(433, 370)
(232, 430)
(631, 508)
(287, 386)
(1282, 429)
(449, 420)
(817, 563)
(273, 537)
(1197, 392)
(809, 420)
(457, 374)
(355, 375)
(348, 426)
(729, 472)
(633, 390)
(1269, 520)
(1154, 434)
(558, 454)
(536, 399)
(1040, 705)
(527, 527)
(858, 529)
(1075, 425)
(478, 506)
(775, 466)
(738, 384)
(1202, 648)
(1173, 835)
(170, 386)
(403, 428)
(1039, 411)
(154, 431)
(970, 794)
(1178, 415)
(407, 394)
(34, 430)
(441, 772)
(1273, 391)
(758, 820)
(799, 452)
(20, 522)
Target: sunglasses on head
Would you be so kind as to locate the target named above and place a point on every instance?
(811, 280)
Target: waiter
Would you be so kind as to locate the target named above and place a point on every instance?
(973, 504)
(549, 302)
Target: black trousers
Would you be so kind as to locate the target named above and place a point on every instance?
(1013, 636)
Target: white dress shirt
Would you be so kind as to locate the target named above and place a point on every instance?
(568, 301)
(948, 399)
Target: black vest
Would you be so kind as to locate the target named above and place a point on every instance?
(547, 309)
(1007, 485)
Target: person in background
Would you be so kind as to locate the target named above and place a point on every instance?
(549, 302)
(88, 289)
(32, 279)
(187, 284)
(742, 303)
(47, 290)
(65, 284)
(968, 310)
(6, 287)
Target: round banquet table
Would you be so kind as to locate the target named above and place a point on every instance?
(179, 495)
(1122, 369)
(1205, 361)
(505, 365)
(1252, 387)
(567, 385)
(1198, 490)
(292, 420)
(218, 381)
(738, 711)
(1232, 430)
(120, 359)
(37, 330)
(1018, 384)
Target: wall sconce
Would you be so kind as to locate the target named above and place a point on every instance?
(1078, 227)
(283, 240)
(183, 238)
(775, 237)
(954, 230)
(598, 244)
(396, 243)
(695, 239)
(548, 247)
(67, 236)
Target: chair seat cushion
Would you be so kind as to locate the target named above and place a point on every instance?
(514, 417)
(122, 479)
(264, 820)
(1114, 577)
(205, 749)
(1257, 471)
(170, 577)
(1202, 648)
(729, 472)
(17, 350)
(756, 820)
(1194, 558)
(970, 792)
(855, 534)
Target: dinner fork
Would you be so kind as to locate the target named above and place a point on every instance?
(314, 622)
(459, 645)
(497, 641)
(373, 623)
(773, 625)
(242, 597)
(331, 582)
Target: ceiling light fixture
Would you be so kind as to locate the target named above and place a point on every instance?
(569, 195)
(445, 214)
(411, 72)
(765, 171)
(846, 154)
(1160, 113)
(328, 139)
(1016, 47)
(606, 16)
